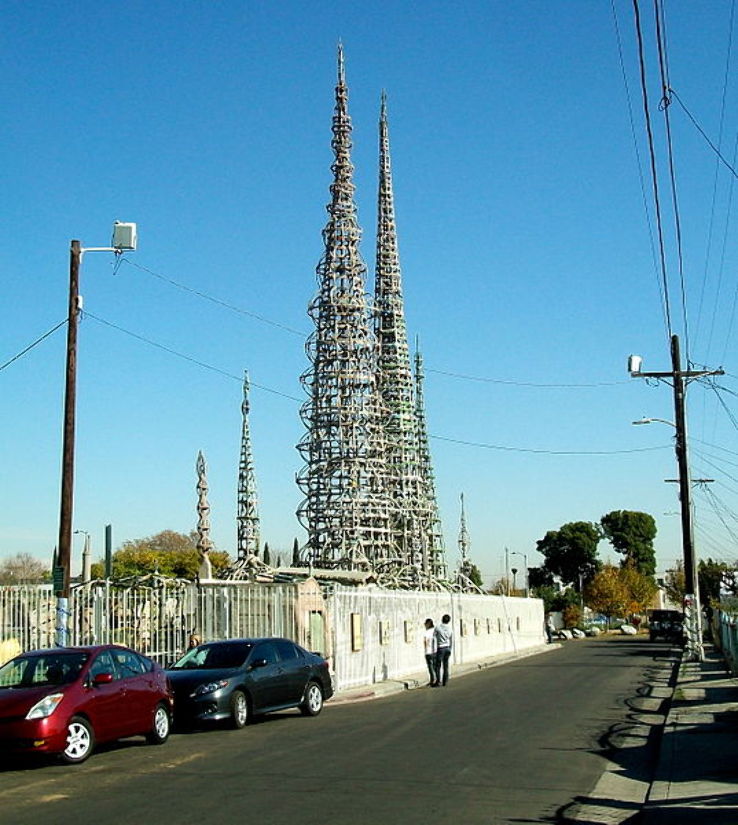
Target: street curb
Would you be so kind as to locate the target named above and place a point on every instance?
(614, 784)
(388, 687)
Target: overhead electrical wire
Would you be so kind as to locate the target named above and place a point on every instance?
(189, 358)
(264, 319)
(217, 301)
(31, 346)
(717, 164)
(511, 382)
(664, 106)
(654, 175)
(639, 162)
(227, 374)
(697, 126)
(548, 452)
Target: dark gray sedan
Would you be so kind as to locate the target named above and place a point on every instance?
(236, 679)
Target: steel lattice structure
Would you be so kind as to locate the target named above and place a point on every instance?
(347, 509)
(413, 515)
(204, 544)
(247, 519)
(436, 548)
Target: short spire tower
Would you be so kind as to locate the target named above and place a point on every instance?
(395, 380)
(204, 544)
(346, 509)
(463, 538)
(435, 543)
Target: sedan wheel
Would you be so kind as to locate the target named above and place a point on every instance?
(80, 741)
(160, 729)
(312, 704)
(239, 709)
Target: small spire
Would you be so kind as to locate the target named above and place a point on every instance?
(341, 74)
(383, 108)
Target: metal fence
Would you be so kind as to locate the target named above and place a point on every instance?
(368, 634)
(726, 636)
(156, 619)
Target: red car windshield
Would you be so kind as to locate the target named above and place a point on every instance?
(215, 656)
(42, 669)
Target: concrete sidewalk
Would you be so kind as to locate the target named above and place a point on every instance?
(696, 778)
(420, 679)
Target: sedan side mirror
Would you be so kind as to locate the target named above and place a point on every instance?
(102, 679)
(258, 663)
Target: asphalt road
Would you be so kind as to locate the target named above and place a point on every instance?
(512, 744)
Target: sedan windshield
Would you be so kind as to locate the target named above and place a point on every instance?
(214, 656)
(42, 669)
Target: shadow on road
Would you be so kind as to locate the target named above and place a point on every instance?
(631, 745)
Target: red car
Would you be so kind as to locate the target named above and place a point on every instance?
(62, 701)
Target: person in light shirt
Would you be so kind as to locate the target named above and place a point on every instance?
(444, 640)
(429, 644)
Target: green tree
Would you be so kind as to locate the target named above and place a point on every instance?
(606, 593)
(710, 575)
(640, 588)
(675, 585)
(571, 552)
(474, 574)
(170, 554)
(539, 577)
(295, 553)
(632, 533)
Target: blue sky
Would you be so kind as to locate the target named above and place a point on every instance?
(525, 245)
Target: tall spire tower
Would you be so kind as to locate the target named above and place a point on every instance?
(248, 504)
(436, 549)
(346, 509)
(395, 381)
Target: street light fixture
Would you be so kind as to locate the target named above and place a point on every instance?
(124, 240)
(651, 420)
(524, 557)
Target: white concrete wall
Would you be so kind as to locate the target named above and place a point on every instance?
(392, 625)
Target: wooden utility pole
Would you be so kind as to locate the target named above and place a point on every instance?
(70, 402)
(679, 379)
(67, 484)
(685, 484)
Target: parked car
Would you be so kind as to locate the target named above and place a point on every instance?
(236, 679)
(667, 624)
(65, 700)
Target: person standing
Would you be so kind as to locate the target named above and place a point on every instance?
(429, 644)
(444, 641)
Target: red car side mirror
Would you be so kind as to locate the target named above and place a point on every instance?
(102, 679)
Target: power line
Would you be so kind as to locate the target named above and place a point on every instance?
(510, 382)
(184, 357)
(652, 156)
(697, 126)
(31, 346)
(665, 103)
(548, 452)
(212, 368)
(638, 160)
(263, 319)
(234, 308)
(717, 168)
